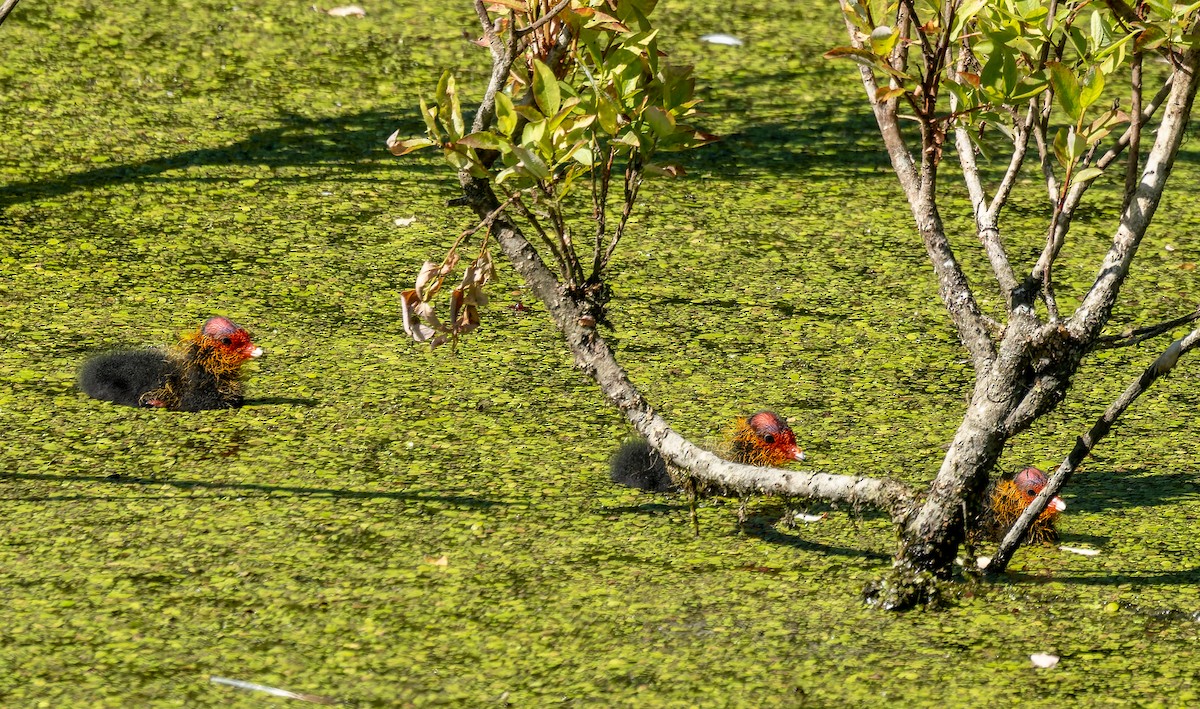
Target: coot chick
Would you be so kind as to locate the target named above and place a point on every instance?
(1009, 499)
(762, 439)
(202, 372)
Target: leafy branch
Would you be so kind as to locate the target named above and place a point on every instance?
(580, 92)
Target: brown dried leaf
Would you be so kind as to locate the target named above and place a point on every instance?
(887, 93)
(425, 311)
(413, 327)
(518, 5)
(428, 271)
(972, 79)
(468, 321)
(448, 266)
(456, 303)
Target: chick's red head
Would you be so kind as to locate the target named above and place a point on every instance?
(1030, 482)
(775, 438)
(231, 337)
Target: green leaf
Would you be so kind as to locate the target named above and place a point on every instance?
(1118, 45)
(404, 147)
(567, 107)
(1025, 46)
(506, 115)
(530, 113)
(1028, 88)
(456, 118)
(1086, 174)
(584, 156)
(1000, 72)
(1066, 90)
(606, 112)
(430, 117)
(1060, 148)
(1078, 40)
(1151, 38)
(459, 158)
(1091, 87)
(533, 164)
(883, 39)
(965, 14)
(1101, 29)
(448, 110)
(1103, 125)
(545, 88)
(484, 140)
(533, 133)
(661, 122)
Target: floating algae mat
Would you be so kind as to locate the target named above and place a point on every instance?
(381, 527)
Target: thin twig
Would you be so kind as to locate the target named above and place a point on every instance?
(600, 202)
(1141, 334)
(563, 232)
(1039, 135)
(1135, 129)
(633, 183)
(524, 211)
(550, 15)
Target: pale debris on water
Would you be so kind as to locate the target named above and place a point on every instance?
(810, 518)
(347, 11)
(726, 39)
(1043, 660)
(1081, 551)
(273, 691)
(980, 561)
(405, 221)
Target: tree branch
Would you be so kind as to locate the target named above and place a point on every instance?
(986, 226)
(919, 188)
(633, 183)
(1084, 445)
(1091, 315)
(1141, 334)
(1020, 148)
(885, 116)
(1135, 128)
(503, 57)
(1039, 134)
(5, 8)
(600, 212)
(1075, 194)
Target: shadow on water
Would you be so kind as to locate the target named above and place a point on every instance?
(354, 145)
(764, 528)
(280, 401)
(460, 501)
(648, 508)
(1186, 578)
(1105, 490)
(350, 143)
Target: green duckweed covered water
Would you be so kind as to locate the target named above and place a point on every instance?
(387, 527)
